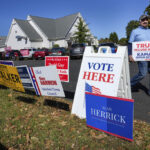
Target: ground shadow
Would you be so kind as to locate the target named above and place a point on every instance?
(3, 87)
(56, 104)
(2, 147)
(30, 91)
(26, 99)
(142, 87)
(69, 95)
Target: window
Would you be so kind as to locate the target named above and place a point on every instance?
(19, 39)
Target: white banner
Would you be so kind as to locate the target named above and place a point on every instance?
(47, 81)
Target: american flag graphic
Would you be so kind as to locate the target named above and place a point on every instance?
(92, 89)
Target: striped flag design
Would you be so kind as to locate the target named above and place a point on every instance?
(92, 89)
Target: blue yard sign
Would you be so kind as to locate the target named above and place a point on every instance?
(10, 63)
(112, 115)
(25, 76)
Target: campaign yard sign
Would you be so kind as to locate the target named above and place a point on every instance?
(9, 77)
(25, 76)
(62, 65)
(141, 51)
(112, 115)
(46, 81)
(10, 63)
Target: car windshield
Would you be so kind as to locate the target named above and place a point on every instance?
(107, 44)
(39, 50)
(57, 49)
(77, 45)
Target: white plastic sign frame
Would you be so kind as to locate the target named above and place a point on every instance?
(103, 71)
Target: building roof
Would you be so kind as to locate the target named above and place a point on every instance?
(55, 28)
(28, 30)
(2, 41)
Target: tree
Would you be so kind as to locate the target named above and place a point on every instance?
(147, 11)
(131, 25)
(82, 33)
(113, 37)
(123, 41)
(103, 40)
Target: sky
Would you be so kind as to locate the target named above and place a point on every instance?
(102, 16)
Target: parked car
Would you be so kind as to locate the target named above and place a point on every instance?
(77, 50)
(15, 55)
(40, 53)
(28, 53)
(113, 46)
(59, 51)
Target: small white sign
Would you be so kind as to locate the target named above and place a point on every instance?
(141, 51)
(47, 81)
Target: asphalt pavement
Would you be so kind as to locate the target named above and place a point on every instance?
(142, 100)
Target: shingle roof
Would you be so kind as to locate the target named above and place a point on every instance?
(55, 28)
(63, 25)
(2, 40)
(28, 30)
(46, 25)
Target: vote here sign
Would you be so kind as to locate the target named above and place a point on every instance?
(141, 51)
(101, 72)
(62, 66)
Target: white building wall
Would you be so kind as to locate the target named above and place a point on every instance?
(12, 41)
(61, 43)
(36, 44)
(46, 43)
(2, 49)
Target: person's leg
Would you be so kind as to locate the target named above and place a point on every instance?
(143, 68)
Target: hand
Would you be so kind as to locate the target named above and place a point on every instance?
(131, 58)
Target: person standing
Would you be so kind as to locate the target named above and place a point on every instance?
(142, 33)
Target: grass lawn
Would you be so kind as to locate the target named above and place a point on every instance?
(29, 122)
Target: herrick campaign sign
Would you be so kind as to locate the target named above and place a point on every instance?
(141, 51)
(112, 115)
(46, 81)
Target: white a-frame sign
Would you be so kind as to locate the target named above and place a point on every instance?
(102, 73)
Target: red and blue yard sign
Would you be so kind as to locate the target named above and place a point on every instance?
(112, 115)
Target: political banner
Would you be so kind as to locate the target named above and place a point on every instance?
(25, 76)
(10, 63)
(46, 81)
(9, 77)
(62, 66)
(141, 51)
(111, 115)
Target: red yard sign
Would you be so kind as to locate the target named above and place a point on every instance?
(62, 65)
